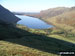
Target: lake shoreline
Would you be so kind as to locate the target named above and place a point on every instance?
(34, 23)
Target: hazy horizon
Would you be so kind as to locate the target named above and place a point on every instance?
(35, 5)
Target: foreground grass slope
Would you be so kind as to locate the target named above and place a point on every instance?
(20, 42)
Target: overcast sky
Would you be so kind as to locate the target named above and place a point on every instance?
(35, 5)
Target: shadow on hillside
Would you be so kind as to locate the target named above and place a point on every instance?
(41, 42)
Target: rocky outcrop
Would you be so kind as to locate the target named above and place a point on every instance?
(6, 17)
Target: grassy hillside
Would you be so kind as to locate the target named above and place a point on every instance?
(53, 12)
(65, 22)
(44, 14)
(62, 18)
(22, 41)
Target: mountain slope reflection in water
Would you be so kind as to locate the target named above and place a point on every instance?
(32, 22)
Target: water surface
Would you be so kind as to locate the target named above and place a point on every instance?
(32, 22)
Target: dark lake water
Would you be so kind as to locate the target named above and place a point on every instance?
(32, 22)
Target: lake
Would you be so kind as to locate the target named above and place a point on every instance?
(32, 22)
